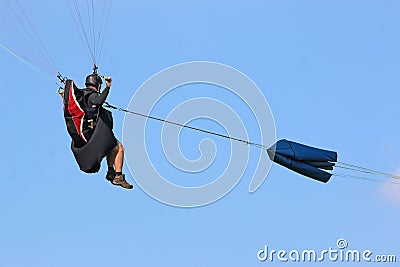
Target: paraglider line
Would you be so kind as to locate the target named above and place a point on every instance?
(100, 46)
(78, 30)
(84, 31)
(42, 50)
(51, 62)
(25, 61)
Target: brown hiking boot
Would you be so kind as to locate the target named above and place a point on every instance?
(120, 180)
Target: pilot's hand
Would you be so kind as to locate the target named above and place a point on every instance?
(108, 81)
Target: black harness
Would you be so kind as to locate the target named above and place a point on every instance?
(80, 117)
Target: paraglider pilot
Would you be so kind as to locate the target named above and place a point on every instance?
(90, 127)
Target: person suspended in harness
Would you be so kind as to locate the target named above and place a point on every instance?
(90, 127)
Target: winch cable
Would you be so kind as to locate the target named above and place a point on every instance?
(350, 167)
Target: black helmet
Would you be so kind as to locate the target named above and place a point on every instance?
(93, 80)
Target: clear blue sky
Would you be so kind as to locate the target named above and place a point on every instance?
(330, 72)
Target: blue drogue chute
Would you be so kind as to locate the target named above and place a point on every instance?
(306, 160)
